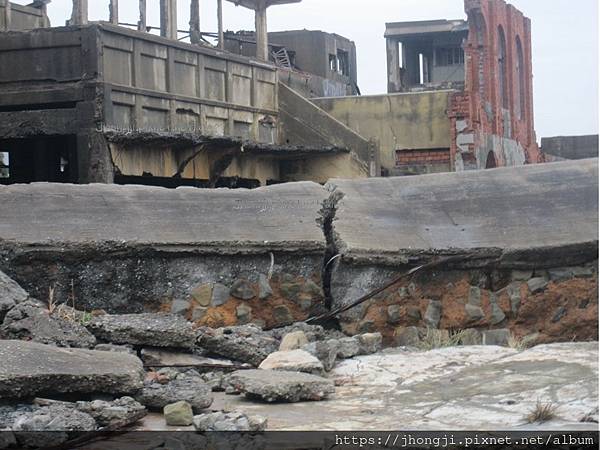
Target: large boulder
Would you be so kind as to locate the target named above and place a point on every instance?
(192, 389)
(156, 330)
(120, 412)
(280, 386)
(293, 361)
(11, 294)
(30, 369)
(247, 343)
(232, 421)
(30, 321)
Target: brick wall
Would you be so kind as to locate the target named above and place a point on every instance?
(416, 157)
(482, 110)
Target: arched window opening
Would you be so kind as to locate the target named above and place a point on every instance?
(502, 67)
(520, 80)
(491, 161)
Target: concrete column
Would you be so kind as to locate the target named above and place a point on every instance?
(142, 25)
(79, 16)
(168, 19)
(393, 64)
(7, 14)
(114, 12)
(220, 24)
(262, 38)
(195, 36)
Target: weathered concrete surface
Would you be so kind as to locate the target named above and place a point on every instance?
(126, 249)
(537, 216)
(571, 147)
(29, 369)
(456, 388)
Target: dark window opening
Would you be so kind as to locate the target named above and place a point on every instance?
(333, 63)
(49, 158)
(172, 182)
(491, 161)
(450, 56)
(502, 75)
(343, 63)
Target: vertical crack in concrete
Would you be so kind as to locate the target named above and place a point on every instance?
(327, 215)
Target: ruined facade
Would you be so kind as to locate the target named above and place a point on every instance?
(100, 102)
(460, 94)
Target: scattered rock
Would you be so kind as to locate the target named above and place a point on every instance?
(474, 296)
(203, 294)
(123, 411)
(514, 294)
(560, 274)
(242, 290)
(198, 313)
(192, 389)
(496, 337)
(293, 361)
(56, 417)
(560, 312)
(521, 275)
(11, 294)
(180, 307)
(474, 313)
(282, 315)
(369, 343)
(246, 343)
(408, 336)
(498, 315)
(264, 287)
(156, 330)
(433, 314)
(232, 421)
(536, 285)
(414, 313)
(243, 313)
(394, 314)
(582, 271)
(220, 295)
(324, 351)
(29, 321)
(29, 369)
(293, 341)
(178, 414)
(349, 347)
(471, 336)
(280, 386)
(367, 326)
(312, 332)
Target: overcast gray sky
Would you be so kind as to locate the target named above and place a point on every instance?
(565, 43)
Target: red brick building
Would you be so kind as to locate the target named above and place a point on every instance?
(486, 61)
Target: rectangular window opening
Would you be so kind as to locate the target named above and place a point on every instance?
(4, 164)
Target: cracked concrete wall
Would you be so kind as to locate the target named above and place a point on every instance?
(397, 121)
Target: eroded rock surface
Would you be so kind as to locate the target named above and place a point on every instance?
(293, 361)
(156, 395)
(11, 294)
(233, 421)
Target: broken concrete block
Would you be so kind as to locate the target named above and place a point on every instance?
(280, 386)
(536, 285)
(264, 287)
(433, 314)
(122, 411)
(496, 337)
(242, 290)
(30, 369)
(11, 294)
(324, 351)
(293, 361)
(245, 343)
(157, 357)
(231, 421)
(369, 343)
(30, 322)
(293, 341)
(155, 330)
(178, 414)
(192, 389)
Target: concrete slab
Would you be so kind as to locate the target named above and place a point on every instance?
(277, 217)
(500, 211)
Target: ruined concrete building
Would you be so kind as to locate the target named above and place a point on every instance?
(460, 94)
(99, 102)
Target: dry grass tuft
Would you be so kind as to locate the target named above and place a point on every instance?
(543, 412)
(440, 339)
